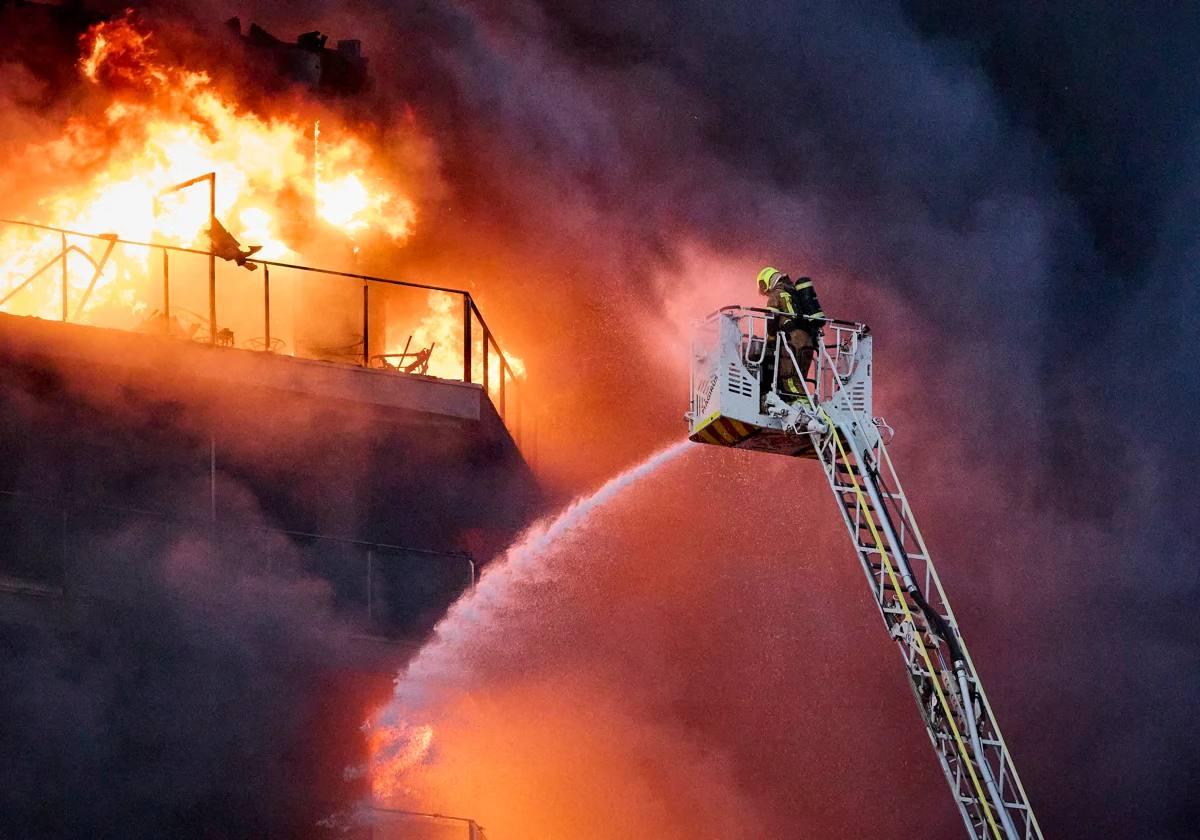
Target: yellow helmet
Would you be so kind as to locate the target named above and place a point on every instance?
(767, 278)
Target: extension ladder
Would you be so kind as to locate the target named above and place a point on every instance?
(736, 403)
(905, 586)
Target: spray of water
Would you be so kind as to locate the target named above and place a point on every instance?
(523, 563)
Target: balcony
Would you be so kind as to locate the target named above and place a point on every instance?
(409, 330)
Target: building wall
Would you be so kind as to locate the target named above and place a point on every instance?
(211, 564)
(104, 432)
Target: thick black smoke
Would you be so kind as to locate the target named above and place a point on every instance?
(178, 706)
(1003, 193)
(162, 675)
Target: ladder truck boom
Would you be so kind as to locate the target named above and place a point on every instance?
(736, 402)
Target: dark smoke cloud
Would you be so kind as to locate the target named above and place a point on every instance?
(586, 146)
(170, 676)
(997, 192)
(1005, 195)
(174, 696)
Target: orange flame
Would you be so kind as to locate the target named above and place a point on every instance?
(279, 180)
(163, 125)
(442, 329)
(116, 52)
(345, 200)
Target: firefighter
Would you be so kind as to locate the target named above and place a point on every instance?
(796, 303)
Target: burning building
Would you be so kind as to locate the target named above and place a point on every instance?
(214, 551)
(236, 489)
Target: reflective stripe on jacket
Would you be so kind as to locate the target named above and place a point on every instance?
(796, 299)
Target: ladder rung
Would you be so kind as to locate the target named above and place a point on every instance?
(850, 502)
(864, 528)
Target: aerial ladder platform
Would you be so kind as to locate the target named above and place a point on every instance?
(736, 402)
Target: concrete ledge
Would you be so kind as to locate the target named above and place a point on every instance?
(75, 343)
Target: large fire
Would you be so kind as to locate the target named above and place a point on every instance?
(172, 124)
(282, 182)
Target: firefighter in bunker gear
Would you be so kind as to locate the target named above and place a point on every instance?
(796, 303)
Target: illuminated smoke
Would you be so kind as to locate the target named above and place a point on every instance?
(398, 746)
(301, 188)
(521, 565)
(488, 720)
(905, 173)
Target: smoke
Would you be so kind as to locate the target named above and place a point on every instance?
(673, 679)
(168, 674)
(162, 676)
(629, 162)
(463, 654)
(1004, 197)
(504, 587)
(171, 708)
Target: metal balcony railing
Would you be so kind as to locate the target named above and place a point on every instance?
(833, 362)
(358, 319)
(394, 824)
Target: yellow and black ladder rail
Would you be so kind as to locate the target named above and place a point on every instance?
(1004, 783)
(895, 561)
